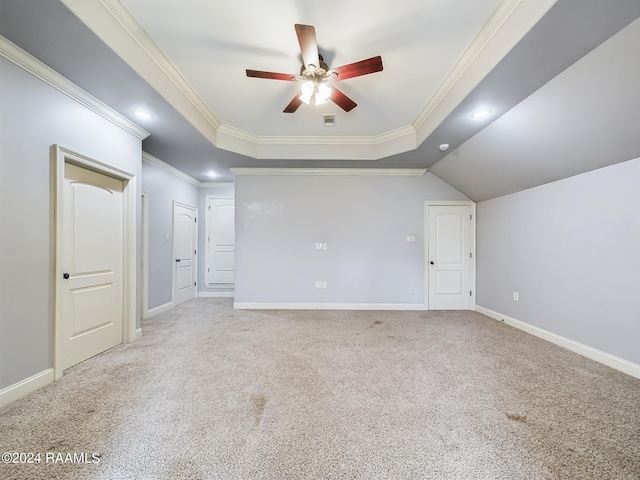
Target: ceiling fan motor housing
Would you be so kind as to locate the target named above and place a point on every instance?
(315, 73)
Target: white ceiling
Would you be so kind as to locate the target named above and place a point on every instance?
(185, 62)
(211, 47)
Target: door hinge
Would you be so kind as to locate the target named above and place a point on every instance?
(470, 217)
(195, 220)
(195, 252)
(470, 293)
(470, 254)
(194, 284)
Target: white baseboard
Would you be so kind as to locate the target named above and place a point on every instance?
(160, 309)
(25, 387)
(607, 359)
(218, 294)
(328, 306)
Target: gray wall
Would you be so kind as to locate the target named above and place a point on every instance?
(162, 189)
(363, 219)
(34, 116)
(571, 249)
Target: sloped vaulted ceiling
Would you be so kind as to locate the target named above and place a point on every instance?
(585, 118)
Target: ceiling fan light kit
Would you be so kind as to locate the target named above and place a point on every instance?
(315, 74)
(316, 91)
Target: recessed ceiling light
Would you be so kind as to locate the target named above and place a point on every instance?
(142, 115)
(444, 147)
(212, 174)
(482, 113)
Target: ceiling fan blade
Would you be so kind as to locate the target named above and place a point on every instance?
(308, 44)
(363, 67)
(293, 105)
(342, 100)
(271, 75)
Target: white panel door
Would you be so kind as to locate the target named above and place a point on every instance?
(449, 257)
(221, 241)
(92, 263)
(185, 241)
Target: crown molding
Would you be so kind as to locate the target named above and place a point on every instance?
(156, 162)
(318, 140)
(118, 29)
(35, 67)
(506, 27)
(133, 28)
(415, 172)
(317, 147)
(217, 185)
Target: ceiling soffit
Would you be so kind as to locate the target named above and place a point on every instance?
(113, 23)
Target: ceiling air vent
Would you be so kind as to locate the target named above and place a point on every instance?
(329, 120)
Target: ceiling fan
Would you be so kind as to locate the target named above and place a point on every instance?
(315, 75)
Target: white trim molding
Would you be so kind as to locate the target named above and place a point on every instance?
(506, 27)
(217, 185)
(144, 271)
(170, 169)
(599, 356)
(415, 172)
(156, 162)
(25, 387)
(35, 67)
(328, 306)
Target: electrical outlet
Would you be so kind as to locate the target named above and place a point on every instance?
(318, 283)
(515, 296)
(324, 284)
(318, 246)
(324, 247)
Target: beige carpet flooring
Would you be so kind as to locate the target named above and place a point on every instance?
(213, 393)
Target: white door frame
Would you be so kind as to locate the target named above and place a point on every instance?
(469, 203)
(173, 252)
(59, 158)
(144, 271)
(207, 227)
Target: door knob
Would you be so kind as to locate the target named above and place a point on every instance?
(65, 276)
(177, 260)
(431, 262)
